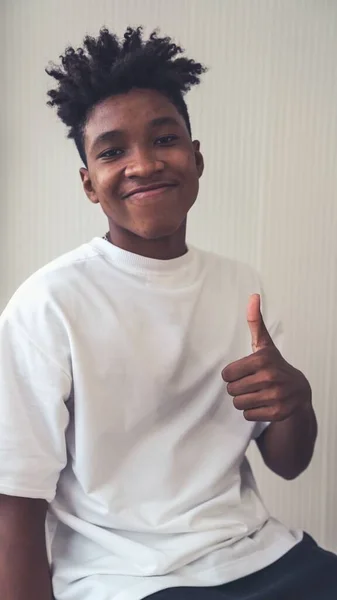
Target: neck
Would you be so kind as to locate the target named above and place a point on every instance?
(165, 248)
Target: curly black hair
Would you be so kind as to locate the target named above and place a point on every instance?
(107, 66)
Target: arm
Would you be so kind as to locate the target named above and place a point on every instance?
(287, 446)
(35, 383)
(267, 388)
(24, 568)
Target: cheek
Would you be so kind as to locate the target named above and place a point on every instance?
(105, 180)
(106, 185)
(190, 174)
(186, 165)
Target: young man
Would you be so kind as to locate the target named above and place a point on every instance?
(132, 379)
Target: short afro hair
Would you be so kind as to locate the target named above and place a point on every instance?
(107, 66)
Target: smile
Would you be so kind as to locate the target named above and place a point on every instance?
(147, 192)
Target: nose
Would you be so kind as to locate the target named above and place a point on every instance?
(143, 164)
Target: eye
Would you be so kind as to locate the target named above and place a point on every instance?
(112, 153)
(166, 140)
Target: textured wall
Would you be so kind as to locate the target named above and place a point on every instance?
(266, 116)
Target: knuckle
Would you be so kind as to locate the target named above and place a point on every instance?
(260, 361)
(275, 411)
(230, 389)
(237, 403)
(276, 394)
(270, 375)
(248, 415)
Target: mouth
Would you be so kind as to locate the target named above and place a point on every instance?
(144, 192)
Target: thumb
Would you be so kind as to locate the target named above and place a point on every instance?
(258, 330)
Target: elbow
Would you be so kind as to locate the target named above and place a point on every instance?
(291, 476)
(292, 471)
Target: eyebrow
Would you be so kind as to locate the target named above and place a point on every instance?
(109, 136)
(106, 136)
(163, 121)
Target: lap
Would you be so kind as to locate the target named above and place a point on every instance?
(307, 572)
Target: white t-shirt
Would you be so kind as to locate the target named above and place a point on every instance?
(112, 408)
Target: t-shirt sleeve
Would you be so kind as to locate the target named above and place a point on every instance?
(34, 388)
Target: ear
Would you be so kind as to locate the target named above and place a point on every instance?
(199, 159)
(87, 185)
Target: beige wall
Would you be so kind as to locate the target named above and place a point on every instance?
(266, 116)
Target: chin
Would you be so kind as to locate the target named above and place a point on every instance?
(158, 231)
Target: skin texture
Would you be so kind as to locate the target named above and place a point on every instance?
(24, 569)
(135, 140)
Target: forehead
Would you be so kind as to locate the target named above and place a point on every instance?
(129, 112)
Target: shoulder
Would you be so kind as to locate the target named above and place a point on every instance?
(230, 271)
(42, 304)
(238, 280)
(53, 278)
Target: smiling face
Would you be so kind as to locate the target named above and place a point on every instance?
(143, 168)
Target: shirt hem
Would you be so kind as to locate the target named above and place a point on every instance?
(8, 490)
(226, 574)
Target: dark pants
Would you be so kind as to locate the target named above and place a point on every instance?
(307, 572)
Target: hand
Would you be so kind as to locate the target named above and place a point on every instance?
(264, 386)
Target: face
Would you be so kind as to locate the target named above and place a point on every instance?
(143, 168)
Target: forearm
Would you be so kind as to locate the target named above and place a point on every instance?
(22, 579)
(287, 446)
(24, 567)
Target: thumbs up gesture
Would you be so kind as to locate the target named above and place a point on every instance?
(264, 386)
